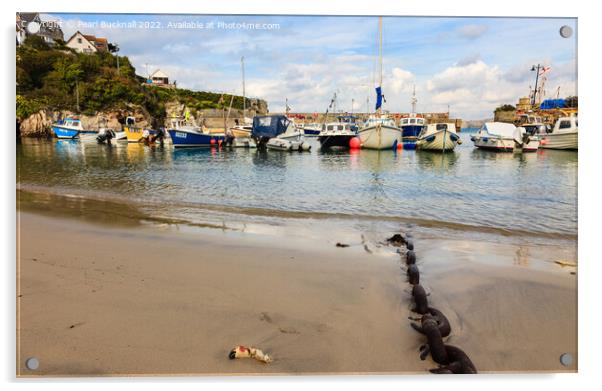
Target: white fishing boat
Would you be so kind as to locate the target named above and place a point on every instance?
(564, 135)
(440, 137)
(380, 131)
(501, 136)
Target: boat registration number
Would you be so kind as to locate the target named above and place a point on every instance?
(180, 135)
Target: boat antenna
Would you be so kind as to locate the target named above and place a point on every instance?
(414, 100)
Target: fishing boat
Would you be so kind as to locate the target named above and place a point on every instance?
(411, 125)
(336, 135)
(186, 135)
(501, 136)
(68, 128)
(136, 134)
(278, 132)
(312, 130)
(379, 131)
(440, 137)
(564, 135)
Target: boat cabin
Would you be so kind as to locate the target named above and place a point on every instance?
(337, 127)
(71, 123)
(383, 120)
(566, 125)
(411, 121)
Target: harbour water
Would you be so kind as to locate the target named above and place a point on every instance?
(529, 196)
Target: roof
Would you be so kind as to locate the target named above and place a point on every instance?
(159, 73)
(502, 129)
(29, 16)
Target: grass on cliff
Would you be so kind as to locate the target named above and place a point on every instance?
(47, 78)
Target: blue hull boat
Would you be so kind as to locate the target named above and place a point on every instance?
(409, 135)
(189, 138)
(65, 133)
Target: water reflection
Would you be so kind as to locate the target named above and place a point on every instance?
(469, 186)
(443, 162)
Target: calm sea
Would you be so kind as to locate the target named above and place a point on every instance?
(472, 190)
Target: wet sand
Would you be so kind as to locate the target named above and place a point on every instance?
(101, 299)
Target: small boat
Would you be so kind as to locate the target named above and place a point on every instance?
(312, 130)
(136, 134)
(241, 131)
(68, 128)
(411, 125)
(184, 135)
(336, 135)
(501, 136)
(380, 132)
(278, 132)
(440, 137)
(564, 135)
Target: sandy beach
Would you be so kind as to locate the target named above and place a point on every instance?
(101, 299)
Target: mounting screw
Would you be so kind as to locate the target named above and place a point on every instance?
(566, 31)
(566, 359)
(32, 363)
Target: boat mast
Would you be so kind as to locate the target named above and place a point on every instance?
(414, 100)
(244, 98)
(380, 60)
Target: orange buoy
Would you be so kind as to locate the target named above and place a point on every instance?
(355, 143)
(212, 142)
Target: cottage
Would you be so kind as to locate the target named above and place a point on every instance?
(159, 78)
(83, 43)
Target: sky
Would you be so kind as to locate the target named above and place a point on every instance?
(471, 65)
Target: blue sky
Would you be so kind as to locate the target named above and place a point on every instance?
(470, 64)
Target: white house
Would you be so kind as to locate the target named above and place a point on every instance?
(82, 43)
(159, 78)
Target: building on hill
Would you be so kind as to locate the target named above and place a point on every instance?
(30, 23)
(160, 79)
(83, 43)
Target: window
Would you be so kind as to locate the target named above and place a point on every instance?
(441, 126)
(79, 40)
(565, 124)
(330, 127)
(341, 127)
(412, 121)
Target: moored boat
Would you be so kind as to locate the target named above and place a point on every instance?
(380, 132)
(336, 135)
(440, 137)
(411, 125)
(68, 128)
(501, 136)
(184, 135)
(136, 134)
(564, 135)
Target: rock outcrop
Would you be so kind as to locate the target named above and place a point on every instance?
(40, 123)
